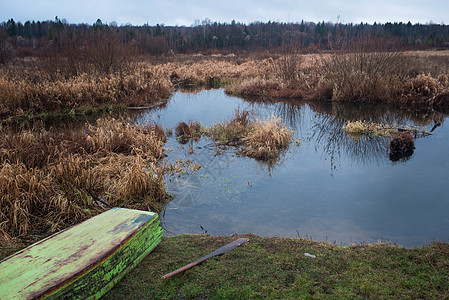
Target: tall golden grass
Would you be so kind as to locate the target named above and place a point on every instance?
(364, 71)
(266, 139)
(27, 89)
(51, 179)
(262, 140)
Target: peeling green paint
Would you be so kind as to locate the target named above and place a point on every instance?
(84, 261)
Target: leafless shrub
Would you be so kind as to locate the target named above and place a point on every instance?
(287, 66)
(364, 70)
(107, 51)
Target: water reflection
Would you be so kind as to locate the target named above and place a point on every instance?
(368, 199)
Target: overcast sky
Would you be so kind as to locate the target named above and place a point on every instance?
(179, 12)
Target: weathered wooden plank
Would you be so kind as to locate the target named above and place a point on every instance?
(83, 261)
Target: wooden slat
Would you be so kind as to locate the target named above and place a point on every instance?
(106, 244)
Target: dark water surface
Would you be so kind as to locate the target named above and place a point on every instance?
(330, 187)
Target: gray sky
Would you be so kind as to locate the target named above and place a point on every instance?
(182, 12)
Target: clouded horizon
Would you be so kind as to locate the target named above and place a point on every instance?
(181, 12)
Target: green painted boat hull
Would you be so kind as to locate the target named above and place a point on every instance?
(84, 261)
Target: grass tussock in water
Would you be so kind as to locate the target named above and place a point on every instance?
(266, 139)
(263, 140)
(51, 179)
(362, 128)
(185, 132)
(231, 132)
(276, 268)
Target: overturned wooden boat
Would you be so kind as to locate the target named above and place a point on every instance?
(83, 261)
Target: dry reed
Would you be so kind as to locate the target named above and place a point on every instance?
(50, 180)
(262, 140)
(266, 139)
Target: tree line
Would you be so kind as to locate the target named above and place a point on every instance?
(33, 38)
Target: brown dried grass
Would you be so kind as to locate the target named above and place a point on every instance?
(262, 140)
(266, 139)
(185, 132)
(29, 89)
(232, 131)
(50, 180)
(426, 89)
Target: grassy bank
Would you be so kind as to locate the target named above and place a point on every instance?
(276, 268)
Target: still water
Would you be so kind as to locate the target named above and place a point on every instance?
(330, 187)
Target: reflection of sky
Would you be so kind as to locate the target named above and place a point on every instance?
(366, 198)
(205, 106)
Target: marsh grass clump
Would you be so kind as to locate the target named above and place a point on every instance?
(262, 140)
(364, 128)
(426, 89)
(266, 139)
(361, 128)
(52, 179)
(185, 132)
(118, 136)
(232, 131)
(183, 129)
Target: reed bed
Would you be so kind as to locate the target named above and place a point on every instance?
(266, 139)
(50, 180)
(26, 89)
(262, 140)
(360, 73)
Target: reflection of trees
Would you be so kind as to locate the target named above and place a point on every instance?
(289, 111)
(329, 136)
(332, 116)
(379, 113)
(328, 118)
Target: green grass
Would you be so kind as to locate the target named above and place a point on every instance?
(276, 268)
